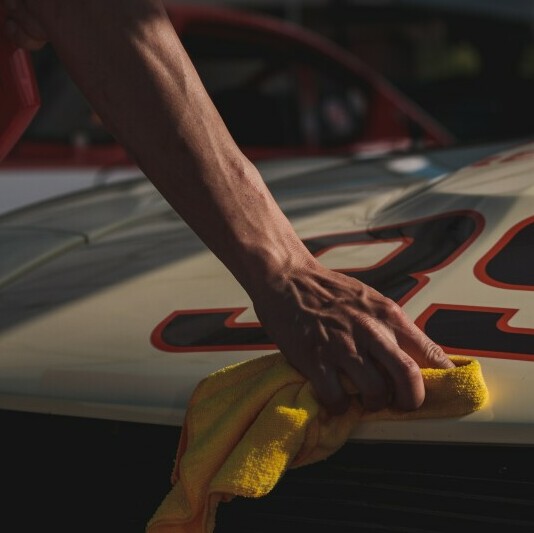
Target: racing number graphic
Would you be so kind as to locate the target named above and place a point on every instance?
(478, 331)
(510, 263)
(486, 330)
(470, 330)
(206, 330)
(399, 276)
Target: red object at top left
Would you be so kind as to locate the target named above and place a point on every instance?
(19, 95)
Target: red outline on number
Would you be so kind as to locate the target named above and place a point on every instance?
(502, 325)
(480, 267)
(421, 277)
(157, 340)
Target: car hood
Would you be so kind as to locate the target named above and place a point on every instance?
(96, 287)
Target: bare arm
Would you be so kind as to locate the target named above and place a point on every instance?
(127, 59)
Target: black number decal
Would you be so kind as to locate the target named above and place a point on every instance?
(510, 263)
(478, 331)
(209, 330)
(427, 245)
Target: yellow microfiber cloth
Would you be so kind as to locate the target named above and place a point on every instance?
(248, 423)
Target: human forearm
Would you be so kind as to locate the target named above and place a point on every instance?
(127, 59)
(159, 110)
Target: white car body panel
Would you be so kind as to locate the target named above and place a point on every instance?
(22, 187)
(91, 354)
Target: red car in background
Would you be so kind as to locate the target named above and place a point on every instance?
(281, 90)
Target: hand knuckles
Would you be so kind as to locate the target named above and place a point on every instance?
(410, 370)
(433, 352)
(367, 323)
(393, 313)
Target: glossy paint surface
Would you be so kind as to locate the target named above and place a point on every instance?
(111, 308)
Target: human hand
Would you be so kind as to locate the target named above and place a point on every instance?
(324, 322)
(22, 27)
(327, 323)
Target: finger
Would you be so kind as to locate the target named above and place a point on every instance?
(369, 380)
(404, 372)
(426, 353)
(330, 392)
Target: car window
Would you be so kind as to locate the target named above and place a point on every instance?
(268, 95)
(341, 111)
(64, 115)
(254, 90)
(271, 96)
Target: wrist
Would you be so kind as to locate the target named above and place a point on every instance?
(274, 264)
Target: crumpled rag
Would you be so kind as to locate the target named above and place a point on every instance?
(248, 423)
